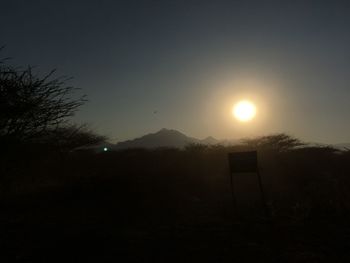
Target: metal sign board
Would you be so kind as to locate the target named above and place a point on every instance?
(243, 162)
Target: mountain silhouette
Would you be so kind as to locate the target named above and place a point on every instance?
(175, 139)
(164, 138)
(342, 146)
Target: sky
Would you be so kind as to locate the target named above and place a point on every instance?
(147, 65)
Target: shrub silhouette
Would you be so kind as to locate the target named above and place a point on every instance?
(300, 181)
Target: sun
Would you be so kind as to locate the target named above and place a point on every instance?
(244, 111)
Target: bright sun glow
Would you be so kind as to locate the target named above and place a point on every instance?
(244, 111)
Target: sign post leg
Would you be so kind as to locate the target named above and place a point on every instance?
(263, 199)
(234, 200)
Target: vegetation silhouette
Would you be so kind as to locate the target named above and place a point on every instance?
(35, 121)
(109, 199)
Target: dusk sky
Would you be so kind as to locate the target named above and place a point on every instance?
(147, 65)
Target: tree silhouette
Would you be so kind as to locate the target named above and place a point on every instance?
(37, 109)
(35, 121)
(278, 142)
(31, 105)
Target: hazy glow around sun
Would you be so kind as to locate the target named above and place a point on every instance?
(244, 111)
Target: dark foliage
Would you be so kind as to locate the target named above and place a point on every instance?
(300, 180)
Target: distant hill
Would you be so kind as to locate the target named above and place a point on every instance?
(163, 138)
(342, 146)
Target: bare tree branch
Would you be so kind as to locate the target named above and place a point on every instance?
(31, 105)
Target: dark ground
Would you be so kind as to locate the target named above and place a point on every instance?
(82, 225)
(176, 206)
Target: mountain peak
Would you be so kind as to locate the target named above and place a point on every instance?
(163, 138)
(166, 130)
(210, 140)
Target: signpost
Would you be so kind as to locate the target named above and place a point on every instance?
(245, 162)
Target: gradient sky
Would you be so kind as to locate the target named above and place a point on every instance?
(178, 64)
